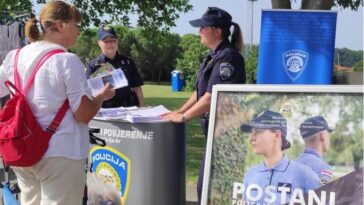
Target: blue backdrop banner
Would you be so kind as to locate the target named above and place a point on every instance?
(296, 47)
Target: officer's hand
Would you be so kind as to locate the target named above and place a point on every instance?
(174, 117)
(170, 113)
(164, 115)
(107, 92)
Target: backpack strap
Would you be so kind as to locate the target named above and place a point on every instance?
(37, 67)
(16, 74)
(52, 127)
(14, 90)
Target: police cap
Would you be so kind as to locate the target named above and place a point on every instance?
(215, 17)
(106, 31)
(269, 120)
(313, 125)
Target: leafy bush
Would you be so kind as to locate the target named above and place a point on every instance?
(193, 54)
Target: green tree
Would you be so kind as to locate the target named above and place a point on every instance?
(193, 54)
(347, 57)
(358, 67)
(86, 47)
(10, 8)
(152, 15)
(155, 57)
(127, 38)
(350, 127)
(318, 4)
(251, 65)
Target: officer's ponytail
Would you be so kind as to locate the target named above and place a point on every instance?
(236, 38)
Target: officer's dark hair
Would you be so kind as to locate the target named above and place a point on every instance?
(285, 143)
(236, 37)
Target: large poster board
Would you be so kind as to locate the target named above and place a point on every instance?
(296, 47)
(230, 152)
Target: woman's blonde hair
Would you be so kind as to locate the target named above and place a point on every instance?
(51, 12)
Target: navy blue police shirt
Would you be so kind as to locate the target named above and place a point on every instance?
(224, 65)
(125, 96)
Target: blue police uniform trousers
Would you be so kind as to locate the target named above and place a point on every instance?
(204, 124)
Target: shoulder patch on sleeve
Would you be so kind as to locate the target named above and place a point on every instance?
(226, 70)
(325, 176)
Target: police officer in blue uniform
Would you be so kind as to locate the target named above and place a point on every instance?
(316, 134)
(277, 178)
(223, 65)
(131, 95)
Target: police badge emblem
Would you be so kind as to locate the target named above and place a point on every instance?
(287, 109)
(107, 28)
(294, 63)
(226, 70)
(112, 167)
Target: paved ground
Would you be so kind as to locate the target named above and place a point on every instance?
(191, 195)
(11, 177)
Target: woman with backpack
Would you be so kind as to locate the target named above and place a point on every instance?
(59, 177)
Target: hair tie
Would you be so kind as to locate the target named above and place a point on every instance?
(35, 21)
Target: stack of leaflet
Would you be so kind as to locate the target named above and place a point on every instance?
(146, 114)
(132, 114)
(118, 113)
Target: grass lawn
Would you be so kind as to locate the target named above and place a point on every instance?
(163, 95)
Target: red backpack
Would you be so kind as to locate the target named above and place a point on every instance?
(23, 142)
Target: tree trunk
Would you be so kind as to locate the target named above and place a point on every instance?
(357, 157)
(281, 4)
(317, 4)
(159, 75)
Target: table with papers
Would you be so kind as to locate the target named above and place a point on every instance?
(150, 150)
(132, 114)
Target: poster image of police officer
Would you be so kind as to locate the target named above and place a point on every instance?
(248, 158)
(278, 178)
(315, 133)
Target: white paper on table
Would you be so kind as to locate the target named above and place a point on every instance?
(146, 114)
(112, 112)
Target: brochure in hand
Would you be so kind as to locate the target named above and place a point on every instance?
(102, 68)
(106, 73)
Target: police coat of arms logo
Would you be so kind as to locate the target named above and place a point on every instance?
(112, 167)
(294, 63)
